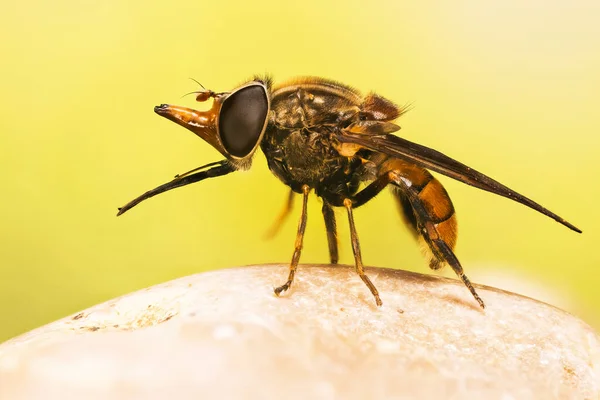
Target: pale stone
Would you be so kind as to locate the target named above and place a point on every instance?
(224, 335)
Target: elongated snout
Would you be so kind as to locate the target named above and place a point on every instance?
(202, 123)
(189, 118)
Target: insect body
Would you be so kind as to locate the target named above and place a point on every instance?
(319, 135)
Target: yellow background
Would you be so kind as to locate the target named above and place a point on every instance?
(510, 89)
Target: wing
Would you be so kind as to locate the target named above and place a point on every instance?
(435, 161)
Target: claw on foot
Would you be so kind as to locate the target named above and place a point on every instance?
(378, 301)
(282, 288)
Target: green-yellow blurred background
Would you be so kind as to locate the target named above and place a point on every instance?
(508, 88)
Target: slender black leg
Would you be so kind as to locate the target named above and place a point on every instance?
(179, 176)
(281, 217)
(330, 225)
(357, 256)
(429, 228)
(219, 168)
(298, 245)
(370, 191)
(450, 258)
(427, 224)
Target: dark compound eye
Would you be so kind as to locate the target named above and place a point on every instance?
(242, 119)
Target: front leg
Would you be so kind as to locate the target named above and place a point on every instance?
(298, 245)
(216, 169)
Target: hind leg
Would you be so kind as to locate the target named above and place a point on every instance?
(427, 208)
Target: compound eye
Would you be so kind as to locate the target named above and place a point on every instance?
(242, 119)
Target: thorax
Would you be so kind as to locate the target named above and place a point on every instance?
(298, 143)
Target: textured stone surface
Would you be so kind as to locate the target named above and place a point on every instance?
(223, 334)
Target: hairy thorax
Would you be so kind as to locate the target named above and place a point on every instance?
(298, 141)
(305, 156)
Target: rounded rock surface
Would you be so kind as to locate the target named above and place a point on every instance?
(224, 334)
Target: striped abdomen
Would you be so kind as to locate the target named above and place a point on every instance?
(425, 205)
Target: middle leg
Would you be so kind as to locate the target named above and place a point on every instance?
(357, 255)
(330, 226)
(428, 227)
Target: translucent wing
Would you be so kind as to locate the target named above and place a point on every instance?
(435, 161)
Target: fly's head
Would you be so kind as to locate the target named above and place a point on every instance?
(234, 125)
